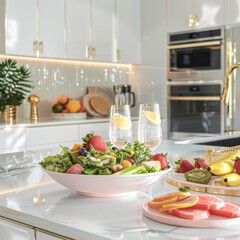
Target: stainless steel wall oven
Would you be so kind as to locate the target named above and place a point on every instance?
(196, 55)
(194, 108)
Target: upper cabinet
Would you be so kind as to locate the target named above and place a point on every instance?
(35, 28)
(50, 30)
(192, 14)
(128, 31)
(20, 33)
(232, 12)
(90, 29)
(98, 30)
(78, 29)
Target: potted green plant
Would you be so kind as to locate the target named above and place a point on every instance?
(15, 84)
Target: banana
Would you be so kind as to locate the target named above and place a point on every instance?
(228, 158)
(231, 179)
(221, 168)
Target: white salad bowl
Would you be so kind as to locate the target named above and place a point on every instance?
(106, 185)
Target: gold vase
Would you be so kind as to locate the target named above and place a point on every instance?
(9, 114)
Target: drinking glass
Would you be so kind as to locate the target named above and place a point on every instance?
(120, 129)
(149, 125)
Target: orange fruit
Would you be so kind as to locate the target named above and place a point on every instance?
(184, 203)
(171, 195)
(158, 202)
(73, 106)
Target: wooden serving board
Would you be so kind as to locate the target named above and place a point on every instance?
(100, 105)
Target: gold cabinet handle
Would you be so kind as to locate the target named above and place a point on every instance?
(118, 54)
(93, 52)
(41, 46)
(35, 46)
(88, 52)
(193, 20)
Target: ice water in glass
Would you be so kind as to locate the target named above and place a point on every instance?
(149, 125)
(120, 129)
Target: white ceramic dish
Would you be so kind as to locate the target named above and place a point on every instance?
(106, 185)
(211, 222)
(69, 116)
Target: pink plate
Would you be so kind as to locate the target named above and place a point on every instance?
(211, 222)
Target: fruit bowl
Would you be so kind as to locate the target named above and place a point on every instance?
(106, 185)
(69, 116)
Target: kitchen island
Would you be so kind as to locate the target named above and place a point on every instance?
(33, 206)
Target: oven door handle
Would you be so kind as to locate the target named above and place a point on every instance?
(193, 98)
(190, 45)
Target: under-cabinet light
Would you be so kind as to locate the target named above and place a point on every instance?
(63, 61)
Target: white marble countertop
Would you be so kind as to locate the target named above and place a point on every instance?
(53, 121)
(28, 195)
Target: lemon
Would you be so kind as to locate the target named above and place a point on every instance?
(122, 122)
(153, 117)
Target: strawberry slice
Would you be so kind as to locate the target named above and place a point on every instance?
(183, 165)
(162, 158)
(75, 169)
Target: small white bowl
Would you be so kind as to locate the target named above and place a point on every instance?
(106, 185)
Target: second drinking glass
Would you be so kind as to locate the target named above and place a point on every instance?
(149, 125)
(120, 129)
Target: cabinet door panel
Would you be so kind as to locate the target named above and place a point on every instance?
(210, 13)
(98, 129)
(232, 12)
(102, 29)
(128, 30)
(12, 139)
(177, 15)
(21, 27)
(44, 236)
(51, 28)
(12, 231)
(77, 28)
(51, 136)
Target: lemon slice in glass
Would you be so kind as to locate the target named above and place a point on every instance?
(153, 117)
(122, 122)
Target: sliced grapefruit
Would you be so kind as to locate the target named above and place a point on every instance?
(190, 213)
(230, 210)
(184, 203)
(208, 202)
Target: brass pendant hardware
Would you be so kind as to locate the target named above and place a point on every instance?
(9, 114)
(193, 20)
(34, 100)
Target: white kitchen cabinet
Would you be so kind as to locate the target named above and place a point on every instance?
(46, 236)
(101, 129)
(35, 28)
(102, 29)
(128, 31)
(51, 25)
(209, 14)
(90, 29)
(77, 29)
(20, 27)
(232, 10)
(12, 139)
(51, 136)
(12, 231)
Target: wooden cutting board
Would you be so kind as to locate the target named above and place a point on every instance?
(100, 105)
